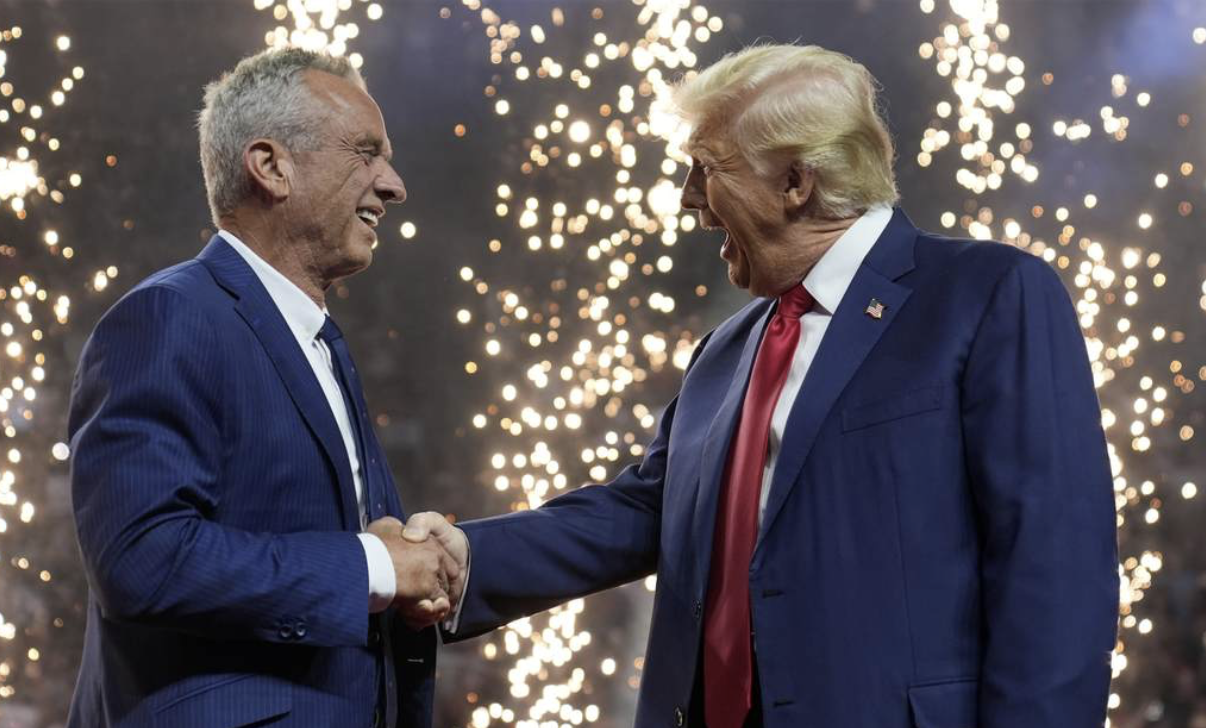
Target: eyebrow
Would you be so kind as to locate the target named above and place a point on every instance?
(695, 144)
(698, 153)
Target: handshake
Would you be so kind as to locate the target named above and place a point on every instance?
(431, 563)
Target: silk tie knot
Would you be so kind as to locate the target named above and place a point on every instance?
(795, 303)
(329, 332)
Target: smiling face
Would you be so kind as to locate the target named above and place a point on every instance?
(751, 208)
(338, 193)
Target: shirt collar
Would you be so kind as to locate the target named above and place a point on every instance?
(831, 276)
(304, 317)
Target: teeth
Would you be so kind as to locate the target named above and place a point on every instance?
(368, 216)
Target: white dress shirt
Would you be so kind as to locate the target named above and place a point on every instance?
(826, 283)
(305, 320)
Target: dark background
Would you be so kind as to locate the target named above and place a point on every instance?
(146, 62)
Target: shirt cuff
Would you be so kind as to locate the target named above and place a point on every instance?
(383, 583)
(453, 623)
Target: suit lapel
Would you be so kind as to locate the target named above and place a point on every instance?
(256, 307)
(848, 340)
(716, 450)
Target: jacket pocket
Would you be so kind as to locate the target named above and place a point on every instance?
(895, 407)
(226, 700)
(945, 705)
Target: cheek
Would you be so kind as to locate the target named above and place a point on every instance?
(719, 194)
(759, 204)
(340, 205)
(343, 183)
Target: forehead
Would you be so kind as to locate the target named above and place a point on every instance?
(351, 104)
(709, 134)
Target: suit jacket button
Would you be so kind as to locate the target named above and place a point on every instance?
(698, 609)
(300, 630)
(286, 631)
(678, 717)
(375, 637)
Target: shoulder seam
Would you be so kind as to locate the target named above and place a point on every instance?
(189, 307)
(1014, 265)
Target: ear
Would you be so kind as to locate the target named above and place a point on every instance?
(271, 169)
(797, 187)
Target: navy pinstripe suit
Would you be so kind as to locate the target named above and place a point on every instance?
(217, 518)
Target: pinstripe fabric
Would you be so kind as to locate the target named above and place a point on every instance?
(217, 517)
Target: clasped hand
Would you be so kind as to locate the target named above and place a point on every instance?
(431, 559)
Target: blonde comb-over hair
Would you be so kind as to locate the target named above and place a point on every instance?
(805, 103)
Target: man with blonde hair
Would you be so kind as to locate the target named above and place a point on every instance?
(881, 498)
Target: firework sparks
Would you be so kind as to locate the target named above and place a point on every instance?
(316, 25)
(19, 175)
(592, 205)
(29, 311)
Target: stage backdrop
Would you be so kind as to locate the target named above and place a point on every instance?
(532, 305)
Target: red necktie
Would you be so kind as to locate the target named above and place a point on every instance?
(728, 662)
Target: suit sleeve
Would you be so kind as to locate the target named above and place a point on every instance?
(146, 478)
(588, 540)
(1044, 497)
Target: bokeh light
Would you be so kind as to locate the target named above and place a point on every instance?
(31, 159)
(317, 24)
(591, 209)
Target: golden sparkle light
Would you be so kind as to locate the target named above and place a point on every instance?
(28, 311)
(593, 205)
(316, 25)
(19, 173)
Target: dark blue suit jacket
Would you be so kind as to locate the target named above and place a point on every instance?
(217, 518)
(938, 549)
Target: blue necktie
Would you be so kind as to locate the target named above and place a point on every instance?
(374, 497)
(353, 400)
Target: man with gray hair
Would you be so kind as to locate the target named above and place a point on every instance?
(881, 498)
(239, 525)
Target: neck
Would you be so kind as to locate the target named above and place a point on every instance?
(804, 243)
(277, 249)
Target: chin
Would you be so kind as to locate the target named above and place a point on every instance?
(357, 258)
(362, 260)
(738, 277)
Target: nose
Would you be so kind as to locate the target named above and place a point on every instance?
(389, 185)
(694, 191)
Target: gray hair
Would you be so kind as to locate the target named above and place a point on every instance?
(265, 96)
(805, 103)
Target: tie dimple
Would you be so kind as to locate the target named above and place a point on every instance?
(795, 302)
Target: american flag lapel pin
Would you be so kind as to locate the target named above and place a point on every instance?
(875, 309)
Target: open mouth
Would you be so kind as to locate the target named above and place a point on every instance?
(370, 216)
(709, 222)
(728, 248)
